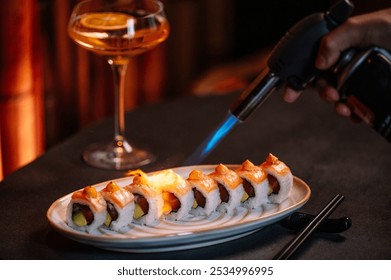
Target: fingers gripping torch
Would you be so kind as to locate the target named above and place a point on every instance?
(292, 61)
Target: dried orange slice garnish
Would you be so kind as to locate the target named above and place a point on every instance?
(105, 21)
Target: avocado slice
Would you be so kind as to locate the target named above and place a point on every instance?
(244, 197)
(108, 220)
(79, 219)
(138, 212)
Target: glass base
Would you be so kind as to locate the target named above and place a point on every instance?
(110, 155)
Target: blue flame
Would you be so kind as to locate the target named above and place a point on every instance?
(212, 140)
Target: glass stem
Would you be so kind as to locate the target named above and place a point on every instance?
(119, 72)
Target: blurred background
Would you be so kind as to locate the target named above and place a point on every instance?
(50, 88)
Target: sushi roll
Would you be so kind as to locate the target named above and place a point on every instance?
(120, 206)
(176, 193)
(86, 210)
(206, 193)
(230, 188)
(280, 178)
(148, 202)
(255, 184)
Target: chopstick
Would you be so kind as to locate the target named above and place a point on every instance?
(295, 243)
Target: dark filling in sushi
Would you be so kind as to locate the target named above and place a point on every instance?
(224, 195)
(112, 214)
(273, 184)
(248, 188)
(82, 214)
(141, 207)
(199, 197)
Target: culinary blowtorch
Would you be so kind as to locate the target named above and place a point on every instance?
(292, 60)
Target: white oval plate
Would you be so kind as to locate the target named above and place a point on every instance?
(194, 232)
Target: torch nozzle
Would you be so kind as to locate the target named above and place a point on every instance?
(255, 95)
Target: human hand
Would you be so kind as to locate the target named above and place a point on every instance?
(359, 32)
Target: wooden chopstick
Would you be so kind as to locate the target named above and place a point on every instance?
(295, 243)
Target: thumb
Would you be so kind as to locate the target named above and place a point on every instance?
(330, 48)
(350, 34)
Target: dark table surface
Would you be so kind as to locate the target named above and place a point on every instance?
(330, 153)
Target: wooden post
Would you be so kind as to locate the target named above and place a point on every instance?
(21, 102)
